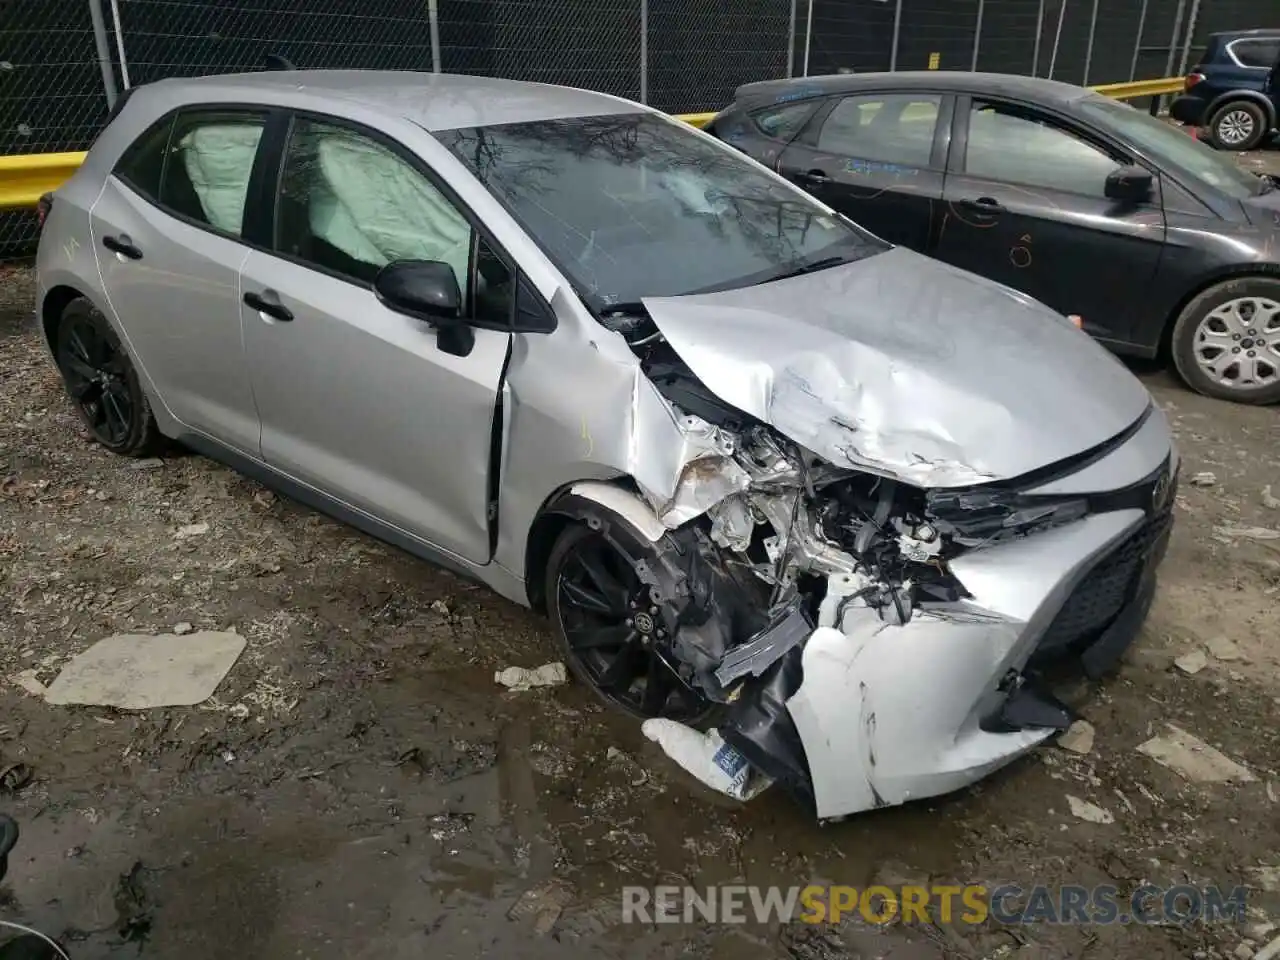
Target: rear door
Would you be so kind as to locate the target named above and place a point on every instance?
(879, 159)
(358, 400)
(1026, 205)
(169, 231)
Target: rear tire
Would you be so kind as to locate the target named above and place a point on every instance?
(102, 382)
(1238, 125)
(1226, 341)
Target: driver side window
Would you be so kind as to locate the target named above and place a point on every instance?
(1016, 146)
(351, 205)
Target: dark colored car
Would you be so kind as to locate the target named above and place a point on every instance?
(1093, 207)
(1234, 89)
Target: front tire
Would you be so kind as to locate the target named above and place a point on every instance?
(1238, 125)
(102, 382)
(1226, 342)
(612, 634)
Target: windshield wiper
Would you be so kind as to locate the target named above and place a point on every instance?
(823, 264)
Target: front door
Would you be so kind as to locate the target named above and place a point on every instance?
(1026, 205)
(357, 400)
(167, 232)
(874, 157)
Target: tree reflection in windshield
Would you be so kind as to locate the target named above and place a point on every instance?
(635, 205)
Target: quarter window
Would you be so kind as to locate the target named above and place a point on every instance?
(143, 163)
(207, 167)
(1021, 147)
(888, 128)
(783, 123)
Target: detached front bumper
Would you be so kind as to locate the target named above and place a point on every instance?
(889, 713)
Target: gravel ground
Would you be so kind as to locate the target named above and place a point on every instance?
(360, 788)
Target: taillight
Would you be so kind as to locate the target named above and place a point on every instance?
(43, 206)
(1191, 80)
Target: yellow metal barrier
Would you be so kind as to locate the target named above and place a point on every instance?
(696, 119)
(1141, 88)
(23, 179)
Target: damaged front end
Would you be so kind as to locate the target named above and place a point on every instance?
(864, 641)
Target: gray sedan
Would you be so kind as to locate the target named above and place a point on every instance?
(763, 471)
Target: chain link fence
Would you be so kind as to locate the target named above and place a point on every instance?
(63, 61)
(51, 90)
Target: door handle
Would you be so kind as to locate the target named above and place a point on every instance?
(123, 246)
(983, 204)
(816, 177)
(268, 302)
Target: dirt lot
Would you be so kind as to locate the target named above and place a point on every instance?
(360, 787)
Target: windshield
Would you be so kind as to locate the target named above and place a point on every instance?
(1168, 145)
(634, 205)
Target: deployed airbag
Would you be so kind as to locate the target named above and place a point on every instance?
(374, 207)
(219, 159)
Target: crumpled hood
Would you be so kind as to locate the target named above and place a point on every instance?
(905, 366)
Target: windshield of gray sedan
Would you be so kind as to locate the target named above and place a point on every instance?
(635, 205)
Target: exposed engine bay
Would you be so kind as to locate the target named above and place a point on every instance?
(768, 542)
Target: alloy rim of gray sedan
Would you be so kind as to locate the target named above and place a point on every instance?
(1237, 344)
(94, 370)
(616, 636)
(1236, 127)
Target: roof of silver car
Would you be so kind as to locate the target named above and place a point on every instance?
(436, 101)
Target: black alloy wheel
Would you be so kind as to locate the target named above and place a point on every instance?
(613, 635)
(102, 383)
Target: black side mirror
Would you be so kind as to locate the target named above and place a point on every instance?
(1129, 184)
(427, 290)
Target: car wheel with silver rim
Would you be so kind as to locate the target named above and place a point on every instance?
(1226, 343)
(1239, 125)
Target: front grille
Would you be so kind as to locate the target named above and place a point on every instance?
(1103, 593)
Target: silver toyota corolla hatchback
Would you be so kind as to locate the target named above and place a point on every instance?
(760, 468)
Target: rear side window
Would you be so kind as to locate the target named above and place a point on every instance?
(887, 128)
(1257, 53)
(197, 165)
(210, 159)
(784, 123)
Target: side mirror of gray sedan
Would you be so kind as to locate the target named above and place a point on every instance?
(427, 290)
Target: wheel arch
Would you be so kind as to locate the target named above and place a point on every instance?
(1255, 96)
(52, 307)
(583, 500)
(1240, 271)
